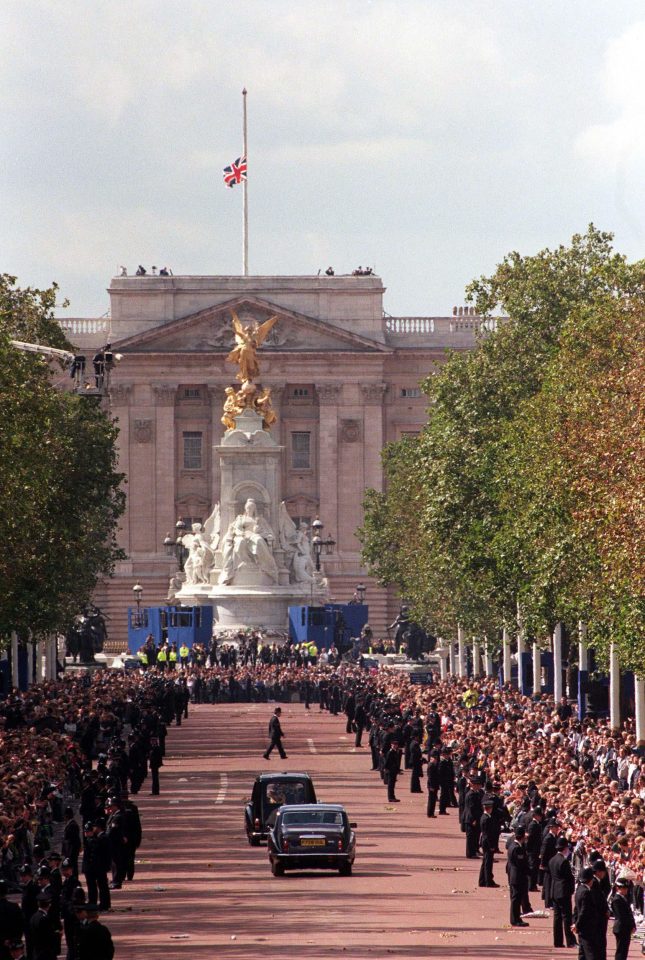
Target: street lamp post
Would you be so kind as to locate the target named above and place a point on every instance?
(176, 548)
(137, 590)
(318, 543)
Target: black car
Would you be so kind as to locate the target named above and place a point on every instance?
(306, 837)
(270, 791)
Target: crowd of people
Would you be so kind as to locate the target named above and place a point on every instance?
(569, 794)
(73, 753)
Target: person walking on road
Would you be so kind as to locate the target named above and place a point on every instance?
(275, 736)
(517, 869)
(392, 766)
(586, 918)
(487, 841)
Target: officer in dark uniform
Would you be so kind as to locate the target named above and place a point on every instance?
(416, 765)
(45, 938)
(392, 767)
(155, 760)
(11, 922)
(133, 832)
(547, 851)
(360, 721)
(71, 839)
(517, 868)
(487, 840)
(432, 775)
(534, 845)
(29, 902)
(275, 735)
(585, 917)
(446, 781)
(562, 887)
(473, 811)
(117, 837)
(68, 915)
(601, 889)
(624, 923)
(94, 940)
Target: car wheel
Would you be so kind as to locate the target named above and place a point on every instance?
(345, 869)
(277, 868)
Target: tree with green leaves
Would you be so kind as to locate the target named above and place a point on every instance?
(61, 492)
(494, 473)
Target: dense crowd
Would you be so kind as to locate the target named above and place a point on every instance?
(570, 792)
(72, 754)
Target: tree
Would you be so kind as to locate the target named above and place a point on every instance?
(62, 494)
(500, 516)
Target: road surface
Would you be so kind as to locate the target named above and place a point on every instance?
(202, 892)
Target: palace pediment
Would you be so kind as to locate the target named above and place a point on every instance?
(210, 331)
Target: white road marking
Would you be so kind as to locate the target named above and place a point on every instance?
(312, 746)
(223, 787)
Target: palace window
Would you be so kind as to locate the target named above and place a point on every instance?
(192, 450)
(192, 393)
(301, 450)
(411, 392)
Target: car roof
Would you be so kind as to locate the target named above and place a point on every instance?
(271, 777)
(317, 807)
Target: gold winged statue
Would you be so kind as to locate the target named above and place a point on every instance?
(248, 338)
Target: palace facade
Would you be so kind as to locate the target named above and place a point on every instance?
(344, 377)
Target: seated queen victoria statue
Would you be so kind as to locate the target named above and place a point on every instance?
(247, 544)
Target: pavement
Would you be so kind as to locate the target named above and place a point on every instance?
(201, 891)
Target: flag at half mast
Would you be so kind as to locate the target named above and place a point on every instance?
(236, 173)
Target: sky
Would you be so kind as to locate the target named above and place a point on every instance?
(424, 138)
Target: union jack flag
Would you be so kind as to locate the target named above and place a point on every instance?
(236, 172)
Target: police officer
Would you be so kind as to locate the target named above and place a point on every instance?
(432, 775)
(624, 923)
(562, 887)
(11, 922)
(487, 841)
(392, 766)
(29, 902)
(517, 869)
(473, 811)
(162, 657)
(94, 939)
(172, 657)
(585, 917)
(155, 760)
(184, 653)
(44, 936)
(416, 765)
(534, 845)
(67, 907)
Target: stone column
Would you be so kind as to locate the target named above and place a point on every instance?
(506, 656)
(476, 659)
(537, 669)
(120, 397)
(373, 397)
(614, 689)
(461, 648)
(14, 658)
(639, 698)
(452, 658)
(583, 669)
(521, 648)
(329, 395)
(164, 440)
(557, 663)
(488, 660)
(443, 665)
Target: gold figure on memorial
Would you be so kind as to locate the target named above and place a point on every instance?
(248, 338)
(250, 395)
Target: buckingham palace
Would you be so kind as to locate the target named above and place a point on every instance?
(344, 378)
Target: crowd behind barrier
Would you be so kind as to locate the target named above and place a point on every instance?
(72, 754)
(90, 741)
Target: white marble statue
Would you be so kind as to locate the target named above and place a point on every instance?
(297, 545)
(248, 540)
(201, 545)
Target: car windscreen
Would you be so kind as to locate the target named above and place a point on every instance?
(312, 818)
(275, 794)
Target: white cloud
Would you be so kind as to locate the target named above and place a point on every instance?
(622, 139)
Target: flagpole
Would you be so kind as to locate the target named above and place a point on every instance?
(245, 196)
